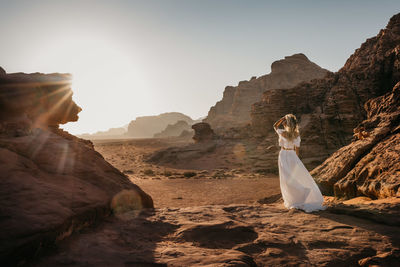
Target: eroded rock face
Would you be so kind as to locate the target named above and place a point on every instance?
(329, 109)
(234, 108)
(202, 132)
(52, 183)
(369, 166)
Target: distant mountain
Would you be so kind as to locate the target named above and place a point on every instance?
(174, 129)
(112, 133)
(147, 126)
(235, 106)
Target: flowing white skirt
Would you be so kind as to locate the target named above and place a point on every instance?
(298, 188)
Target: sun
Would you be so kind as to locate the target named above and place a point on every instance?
(106, 77)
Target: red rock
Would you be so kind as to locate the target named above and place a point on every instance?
(369, 166)
(52, 183)
(234, 235)
(44, 99)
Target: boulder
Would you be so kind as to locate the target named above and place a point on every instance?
(202, 132)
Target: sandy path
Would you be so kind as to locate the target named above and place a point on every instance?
(198, 192)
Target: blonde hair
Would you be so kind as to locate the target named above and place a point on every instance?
(291, 127)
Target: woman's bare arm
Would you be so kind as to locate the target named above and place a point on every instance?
(278, 123)
(297, 150)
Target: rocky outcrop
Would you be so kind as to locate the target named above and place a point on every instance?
(52, 183)
(173, 129)
(41, 100)
(202, 132)
(234, 108)
(147, 126)
(329, 109)
(370, 166)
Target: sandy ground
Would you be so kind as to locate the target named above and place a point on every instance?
(170, 188)
(199, 192)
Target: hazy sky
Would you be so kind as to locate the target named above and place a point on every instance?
(135, 58)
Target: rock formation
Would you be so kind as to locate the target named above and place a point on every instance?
(329, 109)
(370, 166)
(44, 100)
(234, 108)
(147, 126)
(173, 129)
(202, 132)
(52, 183)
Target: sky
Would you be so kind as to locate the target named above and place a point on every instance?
(138, 58)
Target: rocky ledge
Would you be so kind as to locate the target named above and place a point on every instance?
(370, 166)
(235, 235)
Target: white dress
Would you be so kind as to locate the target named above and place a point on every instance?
(298, 188)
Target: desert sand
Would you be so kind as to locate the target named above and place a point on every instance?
(169, 187)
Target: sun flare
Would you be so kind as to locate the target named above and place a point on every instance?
(104, 76)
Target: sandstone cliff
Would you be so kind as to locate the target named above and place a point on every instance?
(329, 108)
(370, 166)
(52, 183)
(147, 126)
(234, 108)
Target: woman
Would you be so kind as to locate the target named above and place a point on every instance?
(297, 186)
